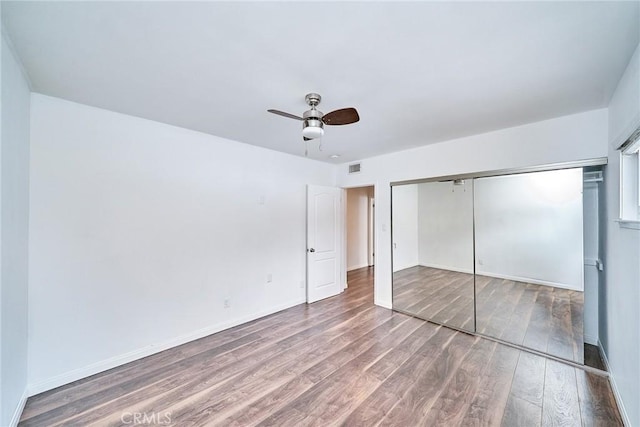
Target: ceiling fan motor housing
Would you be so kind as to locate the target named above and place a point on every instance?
(312, 126)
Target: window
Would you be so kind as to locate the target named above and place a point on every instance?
(630, 179)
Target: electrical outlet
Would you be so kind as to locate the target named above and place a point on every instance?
(227, 303)
(269, 278)
(480, 261)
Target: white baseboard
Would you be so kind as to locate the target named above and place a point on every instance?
(500, 276)
(15, 419)
(355, 267)
(614, 386)
(590, 339)
(397, 268)
(529, 280)
(382, 303)
(104, 365)
(448, 267)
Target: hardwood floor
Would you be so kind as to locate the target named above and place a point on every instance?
(542, 318)
(439, 295)
(539, 317)
(340, 361)
(592, 357)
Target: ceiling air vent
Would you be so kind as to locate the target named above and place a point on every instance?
(354, 168)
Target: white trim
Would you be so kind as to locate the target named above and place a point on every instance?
(371, 231)
(342, 219)
(103, 365)
(15, 419)
(447, 267)
(355, 267)
(529, 280)
(628, 199)
(397, 268)
(383, 303)
(614, 386)
(628, 223)
(591, 339)
(626, 132)
(504, 276)
(632, 148)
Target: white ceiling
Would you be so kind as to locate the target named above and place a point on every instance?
(417, 72)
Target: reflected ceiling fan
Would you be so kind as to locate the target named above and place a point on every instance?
(314, 120)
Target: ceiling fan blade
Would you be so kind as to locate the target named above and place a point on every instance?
(344, 116)
(283, 114)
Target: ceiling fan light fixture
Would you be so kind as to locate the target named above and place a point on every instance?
(313, 120)
(312, 129)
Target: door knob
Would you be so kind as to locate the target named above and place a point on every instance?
(312, 250)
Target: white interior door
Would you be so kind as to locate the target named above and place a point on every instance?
(323, 266)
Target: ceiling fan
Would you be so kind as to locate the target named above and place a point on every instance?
(314, 120)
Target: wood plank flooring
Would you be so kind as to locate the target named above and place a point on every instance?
(592, 357)
(440, 295)
(338, 362)
(542, 318)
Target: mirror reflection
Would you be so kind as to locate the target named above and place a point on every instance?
(433, 252)
(501, 256)
(529, 260)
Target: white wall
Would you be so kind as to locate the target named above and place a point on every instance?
(14, 231)
(620, 316)
(405, 229)
(140, 231)
(528, 227)
(445, 225)
(358, 227)
(574, 137)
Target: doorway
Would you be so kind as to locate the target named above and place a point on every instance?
(360, 233)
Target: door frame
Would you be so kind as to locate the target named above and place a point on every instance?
(371, 233)
(343, 230)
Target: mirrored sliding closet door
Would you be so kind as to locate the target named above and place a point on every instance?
(501, 256)
(529, 260)
(433, 252)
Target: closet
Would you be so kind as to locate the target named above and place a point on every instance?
(502, 254)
